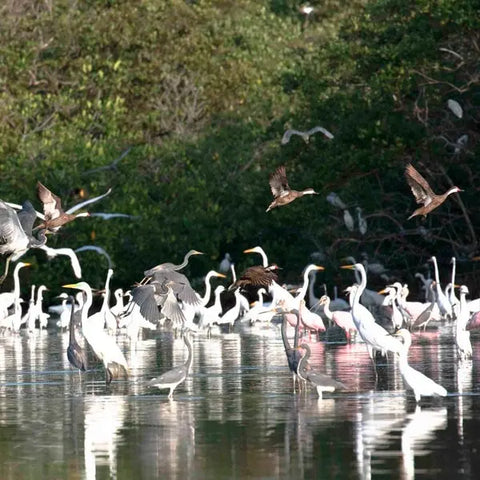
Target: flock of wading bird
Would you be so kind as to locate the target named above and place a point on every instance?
(165, 297)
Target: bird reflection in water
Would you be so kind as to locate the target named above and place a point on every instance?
(419, 430)
(104, 418)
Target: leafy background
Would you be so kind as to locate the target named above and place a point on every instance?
(199, 94)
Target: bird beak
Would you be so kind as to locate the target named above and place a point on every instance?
(221, 275)
(70, 285)
(348, 267)
(249, 250)
(382, 291)
(319, 267)
(196, 252)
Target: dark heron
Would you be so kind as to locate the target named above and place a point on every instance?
(293, 354)
(16, 233)
(281, 191)
(423, 193)
(322, 382)
(177, 375)
(77, 356)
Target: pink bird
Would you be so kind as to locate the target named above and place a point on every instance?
(340, 317)
(312, 321)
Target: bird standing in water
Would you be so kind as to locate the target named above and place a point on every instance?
(77, 356)
(423, 193)
(174, 377)
(282, 193)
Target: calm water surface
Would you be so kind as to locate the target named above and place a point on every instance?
(236, 417)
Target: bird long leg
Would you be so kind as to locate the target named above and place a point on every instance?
(7, 263)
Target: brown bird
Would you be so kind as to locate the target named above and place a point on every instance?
(423, 193)
(257, 276)
(55, 217)
(281, 191)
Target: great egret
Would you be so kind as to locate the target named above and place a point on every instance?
(102, 344)
(322, 382)
(423, 193)
(373, 334)
(176, 375)
(8, 298)
(443, 303)
(307, 134)
(41, 315)
(281, 191)
(421, 385)
(55, 216)
(462, 335)
(53, 252)
(16, 233)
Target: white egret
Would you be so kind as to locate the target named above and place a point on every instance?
(421, 385)
(373, 334)
(102, 344)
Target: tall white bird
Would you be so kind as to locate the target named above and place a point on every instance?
(421, 385)
(462, 335)
(442, 301)
(7, 299)
(373, 334)
(104, 346)
(42, 316)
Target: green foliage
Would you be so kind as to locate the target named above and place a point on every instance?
(201, 93)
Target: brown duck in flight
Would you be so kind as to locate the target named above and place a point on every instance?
(55, 216)
(281, 191)
(423, 193)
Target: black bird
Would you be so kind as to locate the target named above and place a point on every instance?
(77, 356)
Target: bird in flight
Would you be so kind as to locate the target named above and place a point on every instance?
(423, 193)
(305, 135)
(282, 193)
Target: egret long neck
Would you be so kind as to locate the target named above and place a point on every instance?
(208, 289)
(106, 298)
(301, 293)
(326, 309)
(16, 282)
(86, 305)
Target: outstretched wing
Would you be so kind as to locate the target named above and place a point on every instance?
(278, 182)
(320, 129)
(288, 134)
(52, 205)
(420, 188)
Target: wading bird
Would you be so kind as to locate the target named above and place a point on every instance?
(423, 193)
(174, 377)
(373, 334)
(16, 233)
(322, 382)
(281, 191)
(104, 346)
(76, 355)
(421, 385)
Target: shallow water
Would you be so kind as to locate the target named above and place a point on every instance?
(236, 416)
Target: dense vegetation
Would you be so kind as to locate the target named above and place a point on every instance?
(198, 95)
